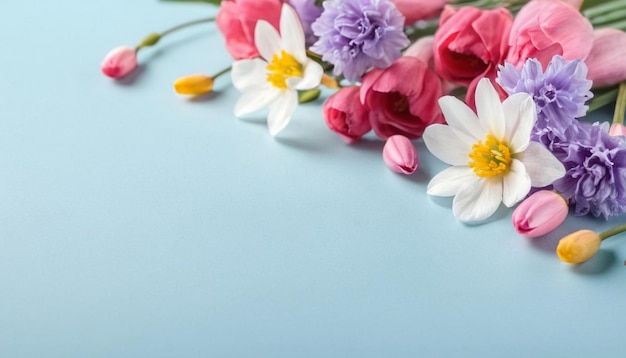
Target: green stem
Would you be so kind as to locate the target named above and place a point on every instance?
(601, 98)
(620, 104)
(604, 8)
(614, 231)
(155, 37)
(187, 24)
(226, 70)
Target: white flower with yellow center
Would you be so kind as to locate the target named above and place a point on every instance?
(274, 79)
(493, 159)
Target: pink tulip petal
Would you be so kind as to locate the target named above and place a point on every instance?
(606, 61)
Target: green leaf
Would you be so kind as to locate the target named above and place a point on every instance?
(310, 95)
(213, 2)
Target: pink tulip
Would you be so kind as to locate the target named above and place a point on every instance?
(470, 43)
(345, 115)
(606, 60)
(544, 28)
(237, 20)
(402, 98)
(422, 49)
(414, 10)
(617, 129)
(119, 62)
(400, 155)
(540, 213)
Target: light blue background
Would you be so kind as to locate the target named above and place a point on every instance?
(137, 223)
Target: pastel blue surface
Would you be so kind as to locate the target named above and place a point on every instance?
(137, 223)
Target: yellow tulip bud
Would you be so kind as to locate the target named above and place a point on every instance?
(578, 247)
(194, 85)
(329, 82)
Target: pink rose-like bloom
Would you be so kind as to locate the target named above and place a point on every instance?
(414, 10)
(345, 115)
(237, 20)
(606, 61)
(545, 28)
(540, 213)
(400, 155)
(402, 98)
(119, 62)
(470, 43)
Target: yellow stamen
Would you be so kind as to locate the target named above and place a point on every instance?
(281, 68)
(491, 158)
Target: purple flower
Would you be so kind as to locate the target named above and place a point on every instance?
(560, 93)
(308, 12)
(595, 164)
(356, 35)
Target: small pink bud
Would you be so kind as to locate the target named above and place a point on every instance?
(617, 129)
(540, 213)
(400, 155)
(119, 62)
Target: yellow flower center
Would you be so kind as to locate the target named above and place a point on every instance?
(491, 158)
(281, 68)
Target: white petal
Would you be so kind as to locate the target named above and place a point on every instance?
(461, 118)
(255, 99)
(450, 180)
(515, 184)
(267, 39)
(476, 201)
(312, 77)
(292, 33)
(248, 74)
(442, 141)
(521, 115)
(541, 165)
(281, 111)
(489, 108)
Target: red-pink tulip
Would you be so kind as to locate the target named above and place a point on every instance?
(544, 28)
(345, 115)
(540, 213)
(402, 98)
(119, 62)
(400, 155)
(606, 61)
(414, 10)
(237, 20)
(470, 43)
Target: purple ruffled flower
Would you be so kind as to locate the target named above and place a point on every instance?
(308, 13)
(559, 94)
(595, 163)
(356, 35)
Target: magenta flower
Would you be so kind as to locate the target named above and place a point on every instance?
(119, 62)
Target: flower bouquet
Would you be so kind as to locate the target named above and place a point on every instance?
(499, 90)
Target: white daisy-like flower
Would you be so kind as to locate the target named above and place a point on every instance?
(493, 159)
(274, 79)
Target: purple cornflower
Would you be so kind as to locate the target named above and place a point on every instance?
(308, 12)
(595, 164)
(356, 35)
(560, 93)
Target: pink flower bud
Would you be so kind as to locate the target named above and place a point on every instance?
(540, 213)
(617, 129)
(119, 62)
(400, 155)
